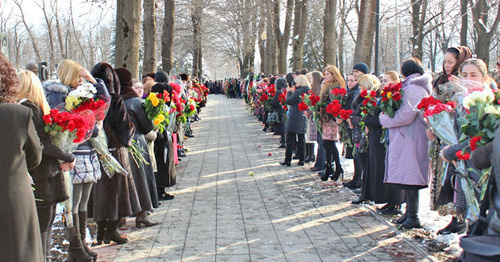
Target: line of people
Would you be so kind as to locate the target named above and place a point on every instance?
(29, 154)
(390, 153)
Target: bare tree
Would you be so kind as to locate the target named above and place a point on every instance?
(329, 39)
(128, 30)
(464, 20)
(167, 38)
(30, 32)
(365, 33)
(480, 15)
(299, 33)
(196, 18)
(149, 30)
(282, 39)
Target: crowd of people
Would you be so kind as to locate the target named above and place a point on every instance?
(46, 160)
(404, 131)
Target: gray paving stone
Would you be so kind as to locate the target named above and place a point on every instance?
(221, 213)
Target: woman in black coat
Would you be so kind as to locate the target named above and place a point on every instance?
(297, 121)
(47, 177)
(115, 197)
(166, 173)
(142, 172)
(279, 128)
(20, 150)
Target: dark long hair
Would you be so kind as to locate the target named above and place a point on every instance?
(106, 72)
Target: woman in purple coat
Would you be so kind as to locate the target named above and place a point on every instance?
(406, 159)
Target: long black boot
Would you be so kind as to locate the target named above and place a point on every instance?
(328, 172)
(412, 220)
(356, 179)
(112, 233)
(82, 219)
(75, 249)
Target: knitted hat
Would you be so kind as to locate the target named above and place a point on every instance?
(361, 67)
(161, 77)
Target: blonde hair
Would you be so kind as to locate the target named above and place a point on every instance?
(301, 80)
(480, 64)
(31, 89)
(393, 75)
(369, 82)
(68, 72)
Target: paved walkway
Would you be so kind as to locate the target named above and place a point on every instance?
(234, 202)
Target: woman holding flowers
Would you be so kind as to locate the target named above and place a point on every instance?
(20, 150)
(319, 165)
(166, 173)
(47, 177)
(141, 169)
(352, 93)
(473, 75)
(279, 127)
(332, 80)
(115, 197)
(390, 78)
(407, 164)
(87, 169)
(297, 121)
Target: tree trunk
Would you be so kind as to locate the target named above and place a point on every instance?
(149, 30)
(196, 16)
(167, 38)
(299, 34)
(48, 23)
(128, 31)
(262, 41)
(341, 36)
(419, 10)
(480, 11)
(60, 37)
(270, 42)
(282, 39)
(366, 29)
(329, 41)
(464, 18)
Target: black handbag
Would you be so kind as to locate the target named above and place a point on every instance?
(478, 245)
(51, 191)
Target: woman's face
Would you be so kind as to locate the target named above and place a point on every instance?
(351, 81)
(387, 81)
(471, 72)
(449, 62)
(328, 76)
(137, 87)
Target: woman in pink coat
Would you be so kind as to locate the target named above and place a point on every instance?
(406, 159)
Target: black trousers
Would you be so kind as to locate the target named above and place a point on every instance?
(291, 139)
(332, 153)
(46, 216)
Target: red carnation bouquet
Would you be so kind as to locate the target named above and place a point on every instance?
(439, 117)
(66, 131)
(391, 99)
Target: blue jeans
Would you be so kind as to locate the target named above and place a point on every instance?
(321, 157)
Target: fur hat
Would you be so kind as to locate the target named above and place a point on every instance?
(124, 76)
(184, 77)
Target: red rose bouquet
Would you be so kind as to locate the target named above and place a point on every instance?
(391, 99)
(334, 108)
(369, 102)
